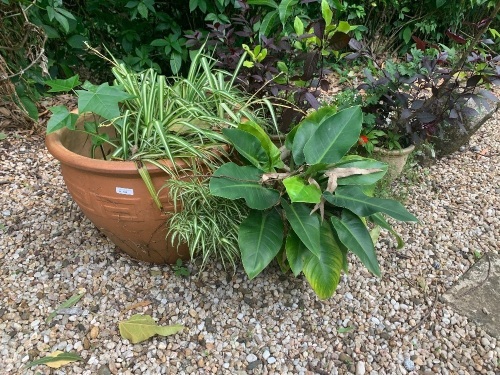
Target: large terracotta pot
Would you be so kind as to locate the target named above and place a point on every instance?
(114, 197)
(396, 159)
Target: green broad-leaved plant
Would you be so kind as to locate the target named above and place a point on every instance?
(308, 200)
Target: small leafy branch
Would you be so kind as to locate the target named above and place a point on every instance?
(309, 201)
(180, 269)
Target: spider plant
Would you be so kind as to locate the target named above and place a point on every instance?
(181, 117)
(207, 224)
(158, 118)
(155, 117)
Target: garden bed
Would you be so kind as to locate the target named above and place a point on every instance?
(273, 324)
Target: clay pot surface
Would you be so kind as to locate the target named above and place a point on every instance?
(114, 197)
(396, 159)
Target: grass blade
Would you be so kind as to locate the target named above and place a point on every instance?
(66, 304)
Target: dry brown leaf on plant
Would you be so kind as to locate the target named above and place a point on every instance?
(274, 176)
(336, 173)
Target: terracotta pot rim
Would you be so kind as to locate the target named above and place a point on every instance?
(403, 151)
(70, 158)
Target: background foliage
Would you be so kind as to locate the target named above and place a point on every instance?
(294, 40)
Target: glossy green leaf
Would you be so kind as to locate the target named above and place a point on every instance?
(50, 13)
(77, 41)
(326, 12)
(407, 34)
(296, 252)
(306, 226)
(272, 151)
(379, 220)
(143, 10)
(320, 115)
(302, 133)
(282, 67)
(338, 5)
(160, 42)
(300, 191)
(61, 118)
(233, 181)
(298, 26)
(141, 327)
(175, 62)
(62, 20)
(260, 238)
(250, 147)
(353, 161)
(269, 3)
(285, 9)
(102, 100)
(322, 271)
(353, 233)
(352, 198)
(63, 85)
(30, 107)
(344, 27)
(269, 22)
(334, 137)
(65, 13)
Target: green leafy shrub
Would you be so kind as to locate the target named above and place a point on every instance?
(22, 60)
(428, 95)
(142, 33)
(289, 46)
(308, 201)
(390, 24)
(160, 119)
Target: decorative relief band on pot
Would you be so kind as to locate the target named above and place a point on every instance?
(124, 191)
(117, 208)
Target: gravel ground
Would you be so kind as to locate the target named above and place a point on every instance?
(271, 325)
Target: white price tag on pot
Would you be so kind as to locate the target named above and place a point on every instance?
(124, 191)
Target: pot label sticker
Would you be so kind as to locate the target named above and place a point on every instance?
(124, 191)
